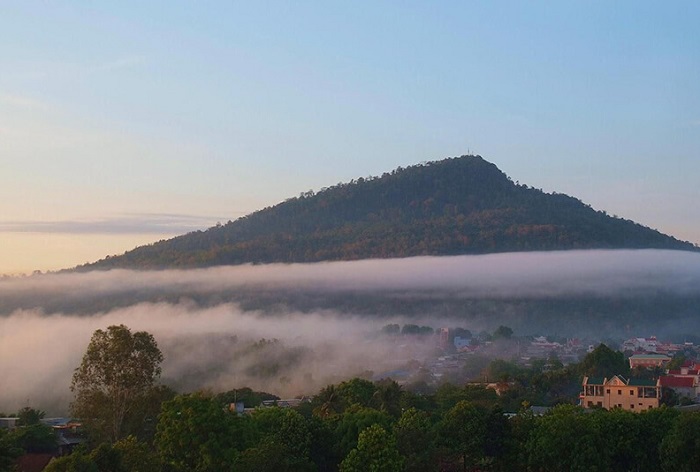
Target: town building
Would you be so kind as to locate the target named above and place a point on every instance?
(648, 360)
(640, 344)
(461, 343)
(620, 392)
(685, 381)
(684, 386)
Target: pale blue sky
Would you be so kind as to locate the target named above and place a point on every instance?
(204, 111)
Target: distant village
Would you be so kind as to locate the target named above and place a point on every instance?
(657, 367)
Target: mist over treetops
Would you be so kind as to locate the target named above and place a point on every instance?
(462, 205)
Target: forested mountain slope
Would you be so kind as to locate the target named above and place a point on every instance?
(462, 205)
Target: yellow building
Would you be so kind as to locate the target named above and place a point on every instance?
(619, 392)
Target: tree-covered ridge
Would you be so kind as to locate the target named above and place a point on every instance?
(462, 205)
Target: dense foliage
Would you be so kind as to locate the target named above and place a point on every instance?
(457, 428)
(462, 205)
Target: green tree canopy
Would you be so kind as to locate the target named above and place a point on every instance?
(8, 452)
(463, 432)
(503, 332)
(195, 434)
(565, 440)
(118, 371)
(415, 441)
(375, 452)
(680, 449)
(28, 416)
(285, 427)
(604, 362)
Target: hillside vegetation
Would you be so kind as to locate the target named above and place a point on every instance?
(462, 205)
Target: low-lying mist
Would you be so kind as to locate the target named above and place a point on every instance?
(320, 322)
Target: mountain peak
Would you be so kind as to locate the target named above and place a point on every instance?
(460, 205)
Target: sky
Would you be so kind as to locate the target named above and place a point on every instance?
(123, 123)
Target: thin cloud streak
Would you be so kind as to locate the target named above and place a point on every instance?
(146, 223)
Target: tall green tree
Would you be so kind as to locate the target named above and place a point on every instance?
(415, 441)
(117, 372)
(655, 426)
(680, 449)
(8, 452)
(137, 456)
(463, 432)
(282, 430)
(502, 332)
(195, 434)
(375, 452)
(34, 438)
(28, 416)
(352, 422)
(387, 397)
(357, 392)
(564, 440)
(604, 362)
(78, 461)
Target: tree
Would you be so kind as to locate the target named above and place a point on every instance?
(196, 434)
(118, 370)
(8, 452)
(387, 397)
(375, 452)
(655, 425)
(353, 421)
(357, 391)
(137, 456)
(28, 416)
(78, 461)
(283, 431)
(463, 432)
(34, 438)
(679, 449)
(328, 402)
(503, 332)
(677, 361)
(391, 329)
(604, 362)
(566, 439)
(414, 441)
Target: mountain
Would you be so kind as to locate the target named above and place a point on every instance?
(462, 205)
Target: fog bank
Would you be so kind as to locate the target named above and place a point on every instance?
(326, 316)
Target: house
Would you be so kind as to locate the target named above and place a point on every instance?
(684, 381)
(619, 392)
(640, 344)
(68, 437)
(689, 367)
(461, 343)
(648, 360)
(683, 386)
(8, 423)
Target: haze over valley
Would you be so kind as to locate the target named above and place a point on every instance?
(326, 317)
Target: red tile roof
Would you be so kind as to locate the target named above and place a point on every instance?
(675, 382)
